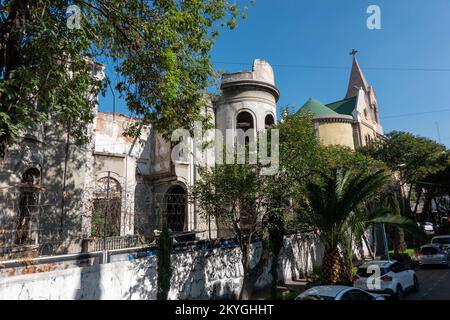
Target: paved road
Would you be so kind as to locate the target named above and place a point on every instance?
(434, 285)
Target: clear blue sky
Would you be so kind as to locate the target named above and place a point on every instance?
(319, 34)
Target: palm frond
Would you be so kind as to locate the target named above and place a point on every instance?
(405, 223)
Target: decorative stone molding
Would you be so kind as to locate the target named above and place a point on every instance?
(334, 118)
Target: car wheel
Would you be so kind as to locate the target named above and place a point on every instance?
(399, 293)
(416, 284)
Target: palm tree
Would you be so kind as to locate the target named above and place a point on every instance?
(362, 218)
(331, 207)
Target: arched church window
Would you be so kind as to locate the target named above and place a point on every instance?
(107, 207)
(269, 121)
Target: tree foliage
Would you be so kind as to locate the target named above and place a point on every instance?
(335, 206)
(160, 50)
(235, 193)
(413, 156)
(235, 196)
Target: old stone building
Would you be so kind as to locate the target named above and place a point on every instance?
(352, 121)
(57, 197)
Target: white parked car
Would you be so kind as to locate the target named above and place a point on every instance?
(386, 277)
(434, 254)
(337, 293)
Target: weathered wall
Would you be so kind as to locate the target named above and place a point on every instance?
(204, 274)
(336, 133)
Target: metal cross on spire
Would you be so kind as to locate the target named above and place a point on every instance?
(353, 53)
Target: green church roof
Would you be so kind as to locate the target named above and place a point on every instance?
(345, 106)
(314, 107)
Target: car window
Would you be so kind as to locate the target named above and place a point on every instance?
(429, 250)
(358, 295)
(362, 272)
(397, 267)
(346, 296)
(441, 240)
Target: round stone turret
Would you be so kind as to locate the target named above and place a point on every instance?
(248, 98)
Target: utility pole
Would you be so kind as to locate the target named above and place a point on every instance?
(386, 242)
(438, 132)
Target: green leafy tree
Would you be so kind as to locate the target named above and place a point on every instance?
(160, 50)
(299, 151)
(437, 187)
(235, 195)
(412, 157)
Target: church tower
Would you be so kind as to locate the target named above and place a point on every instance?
(366, 111)
(352, 121)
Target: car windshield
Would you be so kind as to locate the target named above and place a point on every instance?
(441, 240)
(428, 250)
(362, 272)
(315, 297)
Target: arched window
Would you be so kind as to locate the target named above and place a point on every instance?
(244, 121)
(107, 204)
(175, 199)
(269, 121)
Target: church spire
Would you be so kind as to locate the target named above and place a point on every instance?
(357, 79)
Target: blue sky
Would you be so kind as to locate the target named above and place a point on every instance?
(319, 34)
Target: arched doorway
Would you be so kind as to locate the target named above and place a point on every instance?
(175, 199)
(107, 203)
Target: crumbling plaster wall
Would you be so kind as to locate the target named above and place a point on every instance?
(203, 274)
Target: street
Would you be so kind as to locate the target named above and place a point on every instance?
(434, 284)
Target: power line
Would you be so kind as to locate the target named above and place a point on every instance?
(299, 66)
(415, 113)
